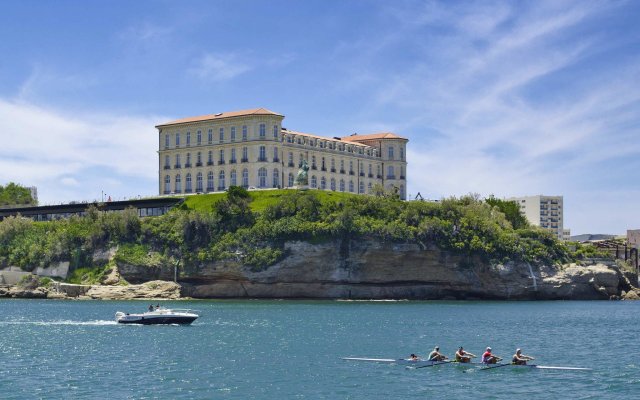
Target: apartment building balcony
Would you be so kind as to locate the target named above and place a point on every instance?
(177, 166)
(244, 160)
(198, 164)
(209, 162)
(220, 162)
(167, 167)
(187, 165)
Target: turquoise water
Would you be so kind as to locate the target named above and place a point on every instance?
(292, 350)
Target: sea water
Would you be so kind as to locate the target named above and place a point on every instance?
(53, 349)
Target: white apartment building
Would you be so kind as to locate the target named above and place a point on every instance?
(544, 211)
(250, 148)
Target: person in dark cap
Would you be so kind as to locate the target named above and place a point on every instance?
(463, 356)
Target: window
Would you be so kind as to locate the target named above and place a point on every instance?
(199, 160)
(244, 132)
(221, 158)
(199, 138)
(370, 173)
(210, 181)
(390, 174)
(188, 139)
(263, 154)
(167, 184)
(290, 179)
(188, 164)
(199, 182)
(314, 181)
(324, 168)
(323, 183)
(401, 153)
(402, 195)
(178, 187)
(313, 162)
(167, 162)
(275, 154)
(233, 178)
(221, 135)
(233, 156)
(351, 167)
(210, 158)
(233, 133)
(221, 184)
(333, 184)
(333, 165)
(263, 130)
(275, 131)
(351, 188)
(401, 172)
(210, 136)
(178, 139)
(187, 187)
(369, 188)
(342, 185)
(178, 161)
(361, 187)
(245, 154)
(301, 159)
(391, 153)
(262, 177)
(276, 178)
(245, 178)
(166, 141)
(290, 159)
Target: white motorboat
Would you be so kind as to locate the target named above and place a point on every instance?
(158, 316)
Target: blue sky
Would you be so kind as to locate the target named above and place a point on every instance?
(504, 98)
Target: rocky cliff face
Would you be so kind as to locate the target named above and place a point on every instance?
(370, 269)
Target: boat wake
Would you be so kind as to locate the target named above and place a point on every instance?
(61, 322)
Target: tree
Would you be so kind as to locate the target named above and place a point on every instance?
(13, 194)
(511, 210)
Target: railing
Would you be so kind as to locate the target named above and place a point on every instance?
(220, 162)
(276, 159)
(177, 166)
(232, 161)
(262, 159)
(167, 167)
(187, 165)
(244, 160)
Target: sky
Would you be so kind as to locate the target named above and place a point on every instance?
(504, 98)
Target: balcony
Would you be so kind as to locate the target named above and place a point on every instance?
(361, 173)
(351, 173)
(199, 190)
(313, 167)
(262, 159)
(187, 165)
(178, 191)
(232, 161)
(244, 160)
(402, 177)
(187, 190)
(177, 166)
(167, 167)
(209, 162)
(323, 169)
(198, 164)
(220, 188)
(209, 188)
(333, 170)
(167, 192)
(370, 175)
(220, 162)
(379, 176)
(290, 163)
(276, 159)
(342, 171)
(391, 177)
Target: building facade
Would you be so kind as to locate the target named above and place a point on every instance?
(250, 148)
(544, 211)
(633, 238)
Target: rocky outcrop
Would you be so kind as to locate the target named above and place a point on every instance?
(23, 293)
(147, 290)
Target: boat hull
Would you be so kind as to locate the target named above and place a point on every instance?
(158, 320)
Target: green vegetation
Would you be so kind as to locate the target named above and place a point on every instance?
(13, 195)
(252, 228)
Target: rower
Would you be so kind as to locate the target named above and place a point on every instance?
(520, 359)
(463, 356)
(413, 357)
(436, 356)
(488, 358)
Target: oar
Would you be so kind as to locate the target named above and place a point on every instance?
(496, 366)
(435, 363)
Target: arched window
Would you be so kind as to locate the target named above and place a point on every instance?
(361, 187)
(245, 178)
(187, 186)
(351, 188)
(342, 185)
(323, 183)
(314, 182)
(333, 184)
(199, 182)
(262, 177)
(290, 179)
(210, 181)
(221, 183)
(167, 184)
(276, 178)
(233, 178)
(178, 187)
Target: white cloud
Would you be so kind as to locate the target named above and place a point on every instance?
(76, 155)
(219, 67)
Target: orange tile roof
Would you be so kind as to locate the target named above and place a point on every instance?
(253, 111)
(321, 137)
(381, 135)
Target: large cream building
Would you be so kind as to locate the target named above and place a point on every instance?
(544, 211)
(250, 148)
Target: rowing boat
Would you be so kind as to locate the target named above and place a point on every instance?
(426, 363)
